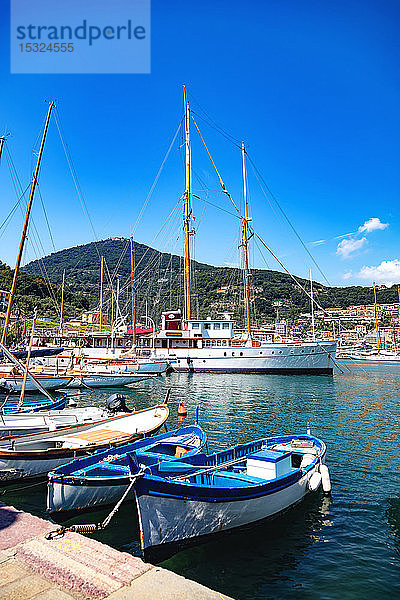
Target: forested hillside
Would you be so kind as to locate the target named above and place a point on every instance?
(159, 281)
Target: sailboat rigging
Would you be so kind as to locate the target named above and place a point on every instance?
(210, 345)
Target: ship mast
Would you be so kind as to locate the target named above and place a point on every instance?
(25, 228)
(133, 296)
(101, 293)
(245, 242)
(188, 206)
(376, 320)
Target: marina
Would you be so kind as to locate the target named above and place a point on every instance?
(348, 543)
(199, 301)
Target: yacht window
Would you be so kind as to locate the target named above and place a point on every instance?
(214, 342)
(207, 325)
(217, 325)
(233, 354)
(225, 325)
(224, 353)
(241, 354)
(195, 325)
(224, 342)
(273, 352)
(218, 342)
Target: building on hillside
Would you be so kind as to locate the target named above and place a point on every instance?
(93, 318)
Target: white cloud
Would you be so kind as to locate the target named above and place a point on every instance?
(339, 237)
(348, 275)
(387, 272)
(318, 242)
(347, 247)
(372, 225)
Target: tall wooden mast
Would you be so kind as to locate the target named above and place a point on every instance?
(245, 242)
(101, 294)
(133, 296)
(187, 216)
(25, 228)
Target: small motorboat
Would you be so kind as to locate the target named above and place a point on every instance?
(102, 478)
(182, 502)
(38, 453)
(22, 423)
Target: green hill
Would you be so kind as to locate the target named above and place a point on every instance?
(159, 281)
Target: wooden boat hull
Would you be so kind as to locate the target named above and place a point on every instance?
(11, 408)
(14, 384)
(151, 368)
(37, 454)
(70, 488)
(203, 519)
(181, 512)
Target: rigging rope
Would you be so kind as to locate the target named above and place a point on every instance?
(260, 177)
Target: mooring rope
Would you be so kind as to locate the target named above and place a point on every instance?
(93, 527)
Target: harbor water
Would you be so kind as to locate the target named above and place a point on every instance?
(346, 546)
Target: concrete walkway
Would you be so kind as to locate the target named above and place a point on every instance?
(77, 567)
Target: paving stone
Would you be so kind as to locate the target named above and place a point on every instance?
(54, 594)
(25, 588)
(160, 584)
(12, 571)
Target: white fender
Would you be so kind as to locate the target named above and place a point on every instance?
(315, 481)
(306, 460)
(326, 480)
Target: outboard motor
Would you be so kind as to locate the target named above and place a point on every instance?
(5, 387)
(117, 403)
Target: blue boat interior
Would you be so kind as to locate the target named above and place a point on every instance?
(114, 462)
(177, 457)
(244, 465)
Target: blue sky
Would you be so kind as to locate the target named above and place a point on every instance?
(311, 87)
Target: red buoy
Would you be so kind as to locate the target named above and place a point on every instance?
(182, 412)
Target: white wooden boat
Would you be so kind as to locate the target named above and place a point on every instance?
(20, 423)
(227, 490)
(37, 454)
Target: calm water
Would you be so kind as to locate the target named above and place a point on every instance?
(346, 547)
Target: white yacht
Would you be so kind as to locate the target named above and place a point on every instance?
(210, 346)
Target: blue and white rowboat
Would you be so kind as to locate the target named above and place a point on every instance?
(102, 478)
(227, 490)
